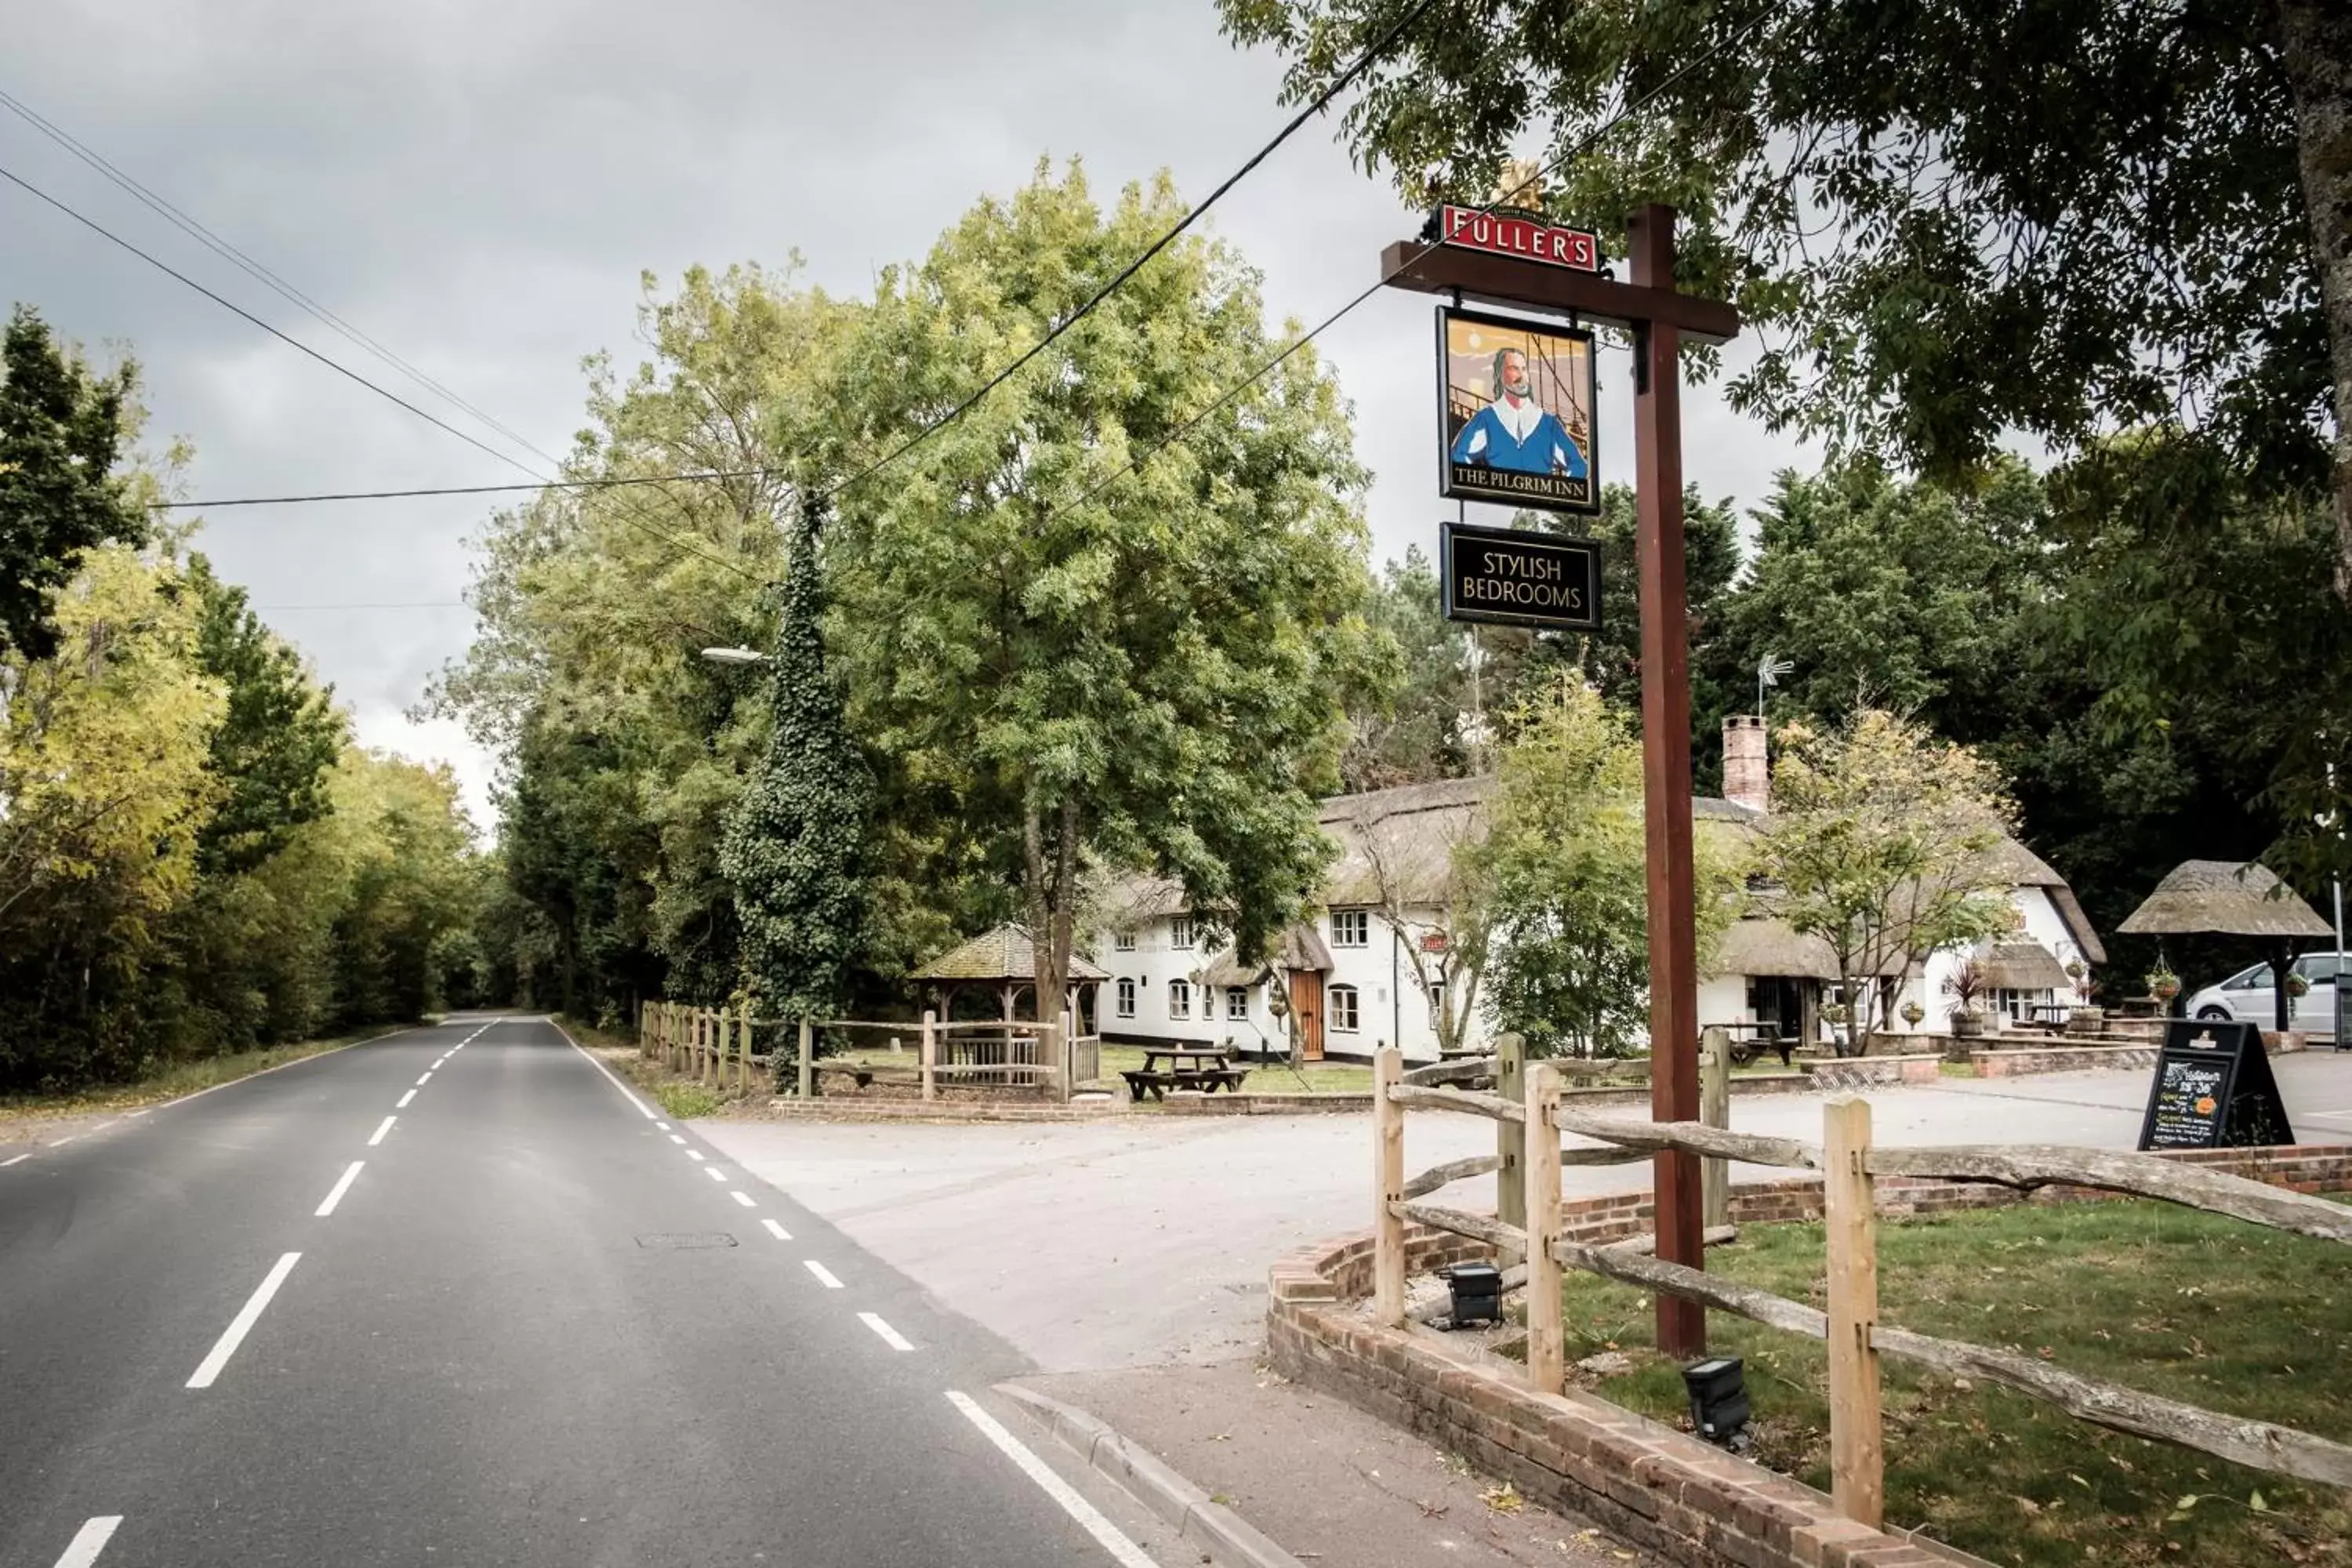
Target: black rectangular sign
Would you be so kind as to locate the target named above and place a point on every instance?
(1513, 577)
(2213, 1089)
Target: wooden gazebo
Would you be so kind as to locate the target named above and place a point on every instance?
(1005, 961)
(2226, 898)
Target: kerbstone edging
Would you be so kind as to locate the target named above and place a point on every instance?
(1217, 1530)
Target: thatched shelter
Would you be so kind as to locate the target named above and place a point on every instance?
(1005, 959)
(2226, 898)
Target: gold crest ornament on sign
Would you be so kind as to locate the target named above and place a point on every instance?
(1521, 185)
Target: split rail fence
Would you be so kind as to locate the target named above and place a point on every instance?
(1527, 1234)
(707, 1043)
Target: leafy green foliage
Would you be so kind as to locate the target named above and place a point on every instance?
(1921, 208)
(1138, 672)
(1568, 941)
(1883, 842)
(61, 430)
(796, 846)
(279, 735)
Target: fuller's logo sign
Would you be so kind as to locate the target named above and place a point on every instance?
(1510, 577)
(1510, 234)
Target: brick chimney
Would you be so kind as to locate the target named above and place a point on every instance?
(1746, 776)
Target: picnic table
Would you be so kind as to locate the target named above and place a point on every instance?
(1750, 1040)
(2050, 1016)
(1204, 1067)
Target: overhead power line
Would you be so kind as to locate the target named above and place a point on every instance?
(1061, 328)
(344, 370)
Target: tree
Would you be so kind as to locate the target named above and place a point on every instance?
(279, 735)
(1882, 843)
(1436, 894)
(1564, 862)
(1946, 221)
(61, 430)
(1414, 731)
(1147, 670)
(796, 844)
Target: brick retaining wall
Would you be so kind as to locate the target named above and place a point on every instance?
(2060, 1058)
(1653, 1486)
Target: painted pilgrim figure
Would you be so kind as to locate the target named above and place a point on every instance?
(1513, 432)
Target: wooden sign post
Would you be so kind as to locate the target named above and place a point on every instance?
(1535, 271)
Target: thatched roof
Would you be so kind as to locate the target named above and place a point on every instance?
(2226, 898)
(1766, 945)
(1301, 948)
(1008, 953)
(2024, 966)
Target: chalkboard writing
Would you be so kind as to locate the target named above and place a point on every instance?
(2191, 1097)
(2213, 1089)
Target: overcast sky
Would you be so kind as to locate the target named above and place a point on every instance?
(479, 186)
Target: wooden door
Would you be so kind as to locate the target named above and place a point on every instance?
(1306, 1007)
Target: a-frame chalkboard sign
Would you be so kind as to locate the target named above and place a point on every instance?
(2213, 1089)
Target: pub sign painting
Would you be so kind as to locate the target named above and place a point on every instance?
(1517, 412)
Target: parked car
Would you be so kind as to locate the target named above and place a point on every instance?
(2250, 996)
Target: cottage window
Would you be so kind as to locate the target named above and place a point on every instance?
(1352, 928)
(1343, 1009)
(1126, 998)
(1124, 940)
(1237, 1003)
(1179, 931)
(1180, 999)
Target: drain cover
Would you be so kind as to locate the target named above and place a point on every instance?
(682, 1238)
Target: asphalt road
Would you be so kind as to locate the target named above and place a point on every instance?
(456, 1297)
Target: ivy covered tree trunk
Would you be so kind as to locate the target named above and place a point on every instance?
(795, 848)
(2316, 39)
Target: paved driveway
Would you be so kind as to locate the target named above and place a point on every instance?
(1146, 1240)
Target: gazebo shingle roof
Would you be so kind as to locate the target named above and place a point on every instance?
(1008, 953)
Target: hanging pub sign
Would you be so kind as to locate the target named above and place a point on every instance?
(1520, 234)
(1516, 412)
(1515, 578)
(2213, 1089)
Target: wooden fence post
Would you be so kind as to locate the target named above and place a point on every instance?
(1857, 1458)
(1388, 1187)
(743, 1038)
(1714, 1110)
(640, 1006)
(1510, 1139)
(661, 1027)
(713, 1050)
(931, 1055)
(808, 1059)
(1547, 1354)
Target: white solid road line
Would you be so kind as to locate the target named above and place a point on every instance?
(404, 1098)
(824, 1275)
(643, 1108)
(377, 1136)
(90, 1540)
(16, 1161)
(342, 1187)
(242, 1324)
(891, 1336)
(744, 1198)
(779, 1232)
(1090, 1519)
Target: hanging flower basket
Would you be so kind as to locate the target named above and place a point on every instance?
(2163, 984)
(1912, 1013)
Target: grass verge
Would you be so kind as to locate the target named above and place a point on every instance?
(177, 1079)
(681, 1099)
(2190, 1306)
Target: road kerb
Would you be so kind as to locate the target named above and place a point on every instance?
(1229, 1539)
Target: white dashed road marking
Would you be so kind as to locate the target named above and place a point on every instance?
(376, 1137)
(90, 1540)
(18, 1160)
(340, 1187)
(692, 1153)
(242, 1324)
(405, 1099)
(676, 1139)
(824, 1275)
(891, 1336)
(714, 1172)
(779, 1232)
(1089, 1518)
(744, 1198)
(426, 1079)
